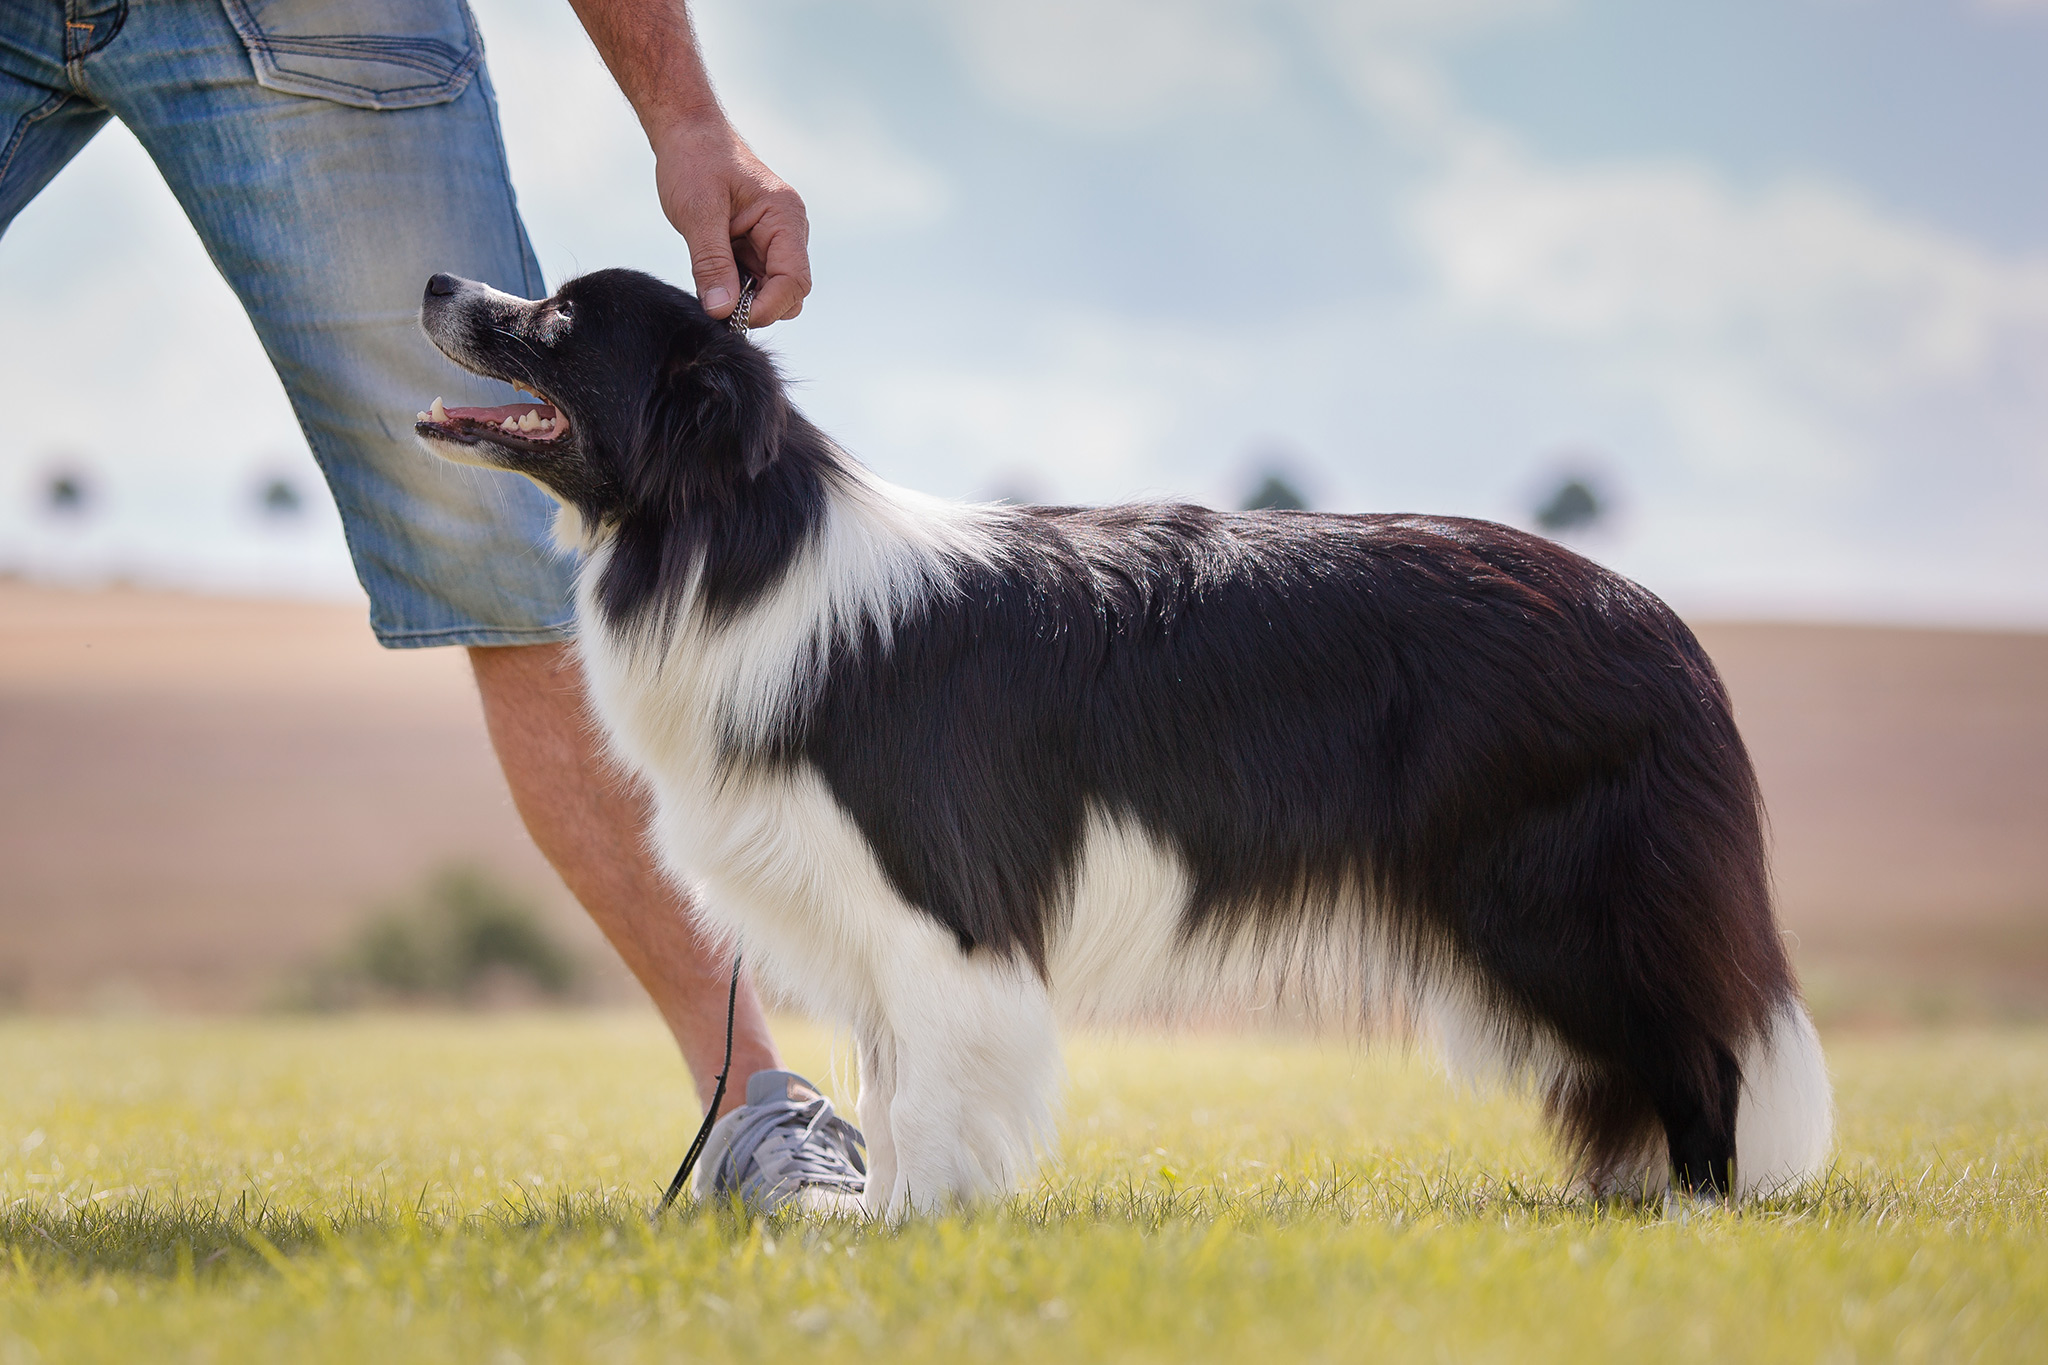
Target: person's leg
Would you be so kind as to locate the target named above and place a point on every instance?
(327, 217)
(587, 818)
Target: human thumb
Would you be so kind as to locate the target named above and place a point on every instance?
(711, 262)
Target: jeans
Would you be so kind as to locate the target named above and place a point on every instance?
(332, 154)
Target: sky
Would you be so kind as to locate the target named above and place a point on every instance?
(1771, 276)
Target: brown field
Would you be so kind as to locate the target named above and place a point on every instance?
(198, 794)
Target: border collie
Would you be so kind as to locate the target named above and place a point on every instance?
(949, 774)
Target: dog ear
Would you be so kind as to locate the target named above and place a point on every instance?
(718, 408)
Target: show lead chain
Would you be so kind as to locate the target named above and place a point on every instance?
(737, 319)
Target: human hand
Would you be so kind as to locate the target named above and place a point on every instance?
(734, 212)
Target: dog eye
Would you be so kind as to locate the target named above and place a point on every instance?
(554, 323)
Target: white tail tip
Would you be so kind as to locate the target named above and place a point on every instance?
(1785, 1126)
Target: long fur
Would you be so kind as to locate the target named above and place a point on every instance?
(952, 774)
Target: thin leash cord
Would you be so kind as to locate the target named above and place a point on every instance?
(738, 323)
(675, 1187)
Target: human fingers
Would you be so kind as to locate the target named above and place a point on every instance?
(773, 241)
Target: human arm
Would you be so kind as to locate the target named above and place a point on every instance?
(716, 192)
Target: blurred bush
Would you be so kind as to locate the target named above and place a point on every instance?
(465, 940)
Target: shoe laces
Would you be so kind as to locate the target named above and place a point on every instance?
(785, 1145)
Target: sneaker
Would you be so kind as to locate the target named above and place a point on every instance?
(784, 1146)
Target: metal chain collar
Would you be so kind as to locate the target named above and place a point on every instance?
(737, 319)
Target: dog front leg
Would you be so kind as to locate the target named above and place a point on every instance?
(976, 1072)
(877, 1093)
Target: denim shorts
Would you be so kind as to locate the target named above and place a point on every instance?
(333, 154)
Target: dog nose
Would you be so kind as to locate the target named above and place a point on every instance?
(442, 285)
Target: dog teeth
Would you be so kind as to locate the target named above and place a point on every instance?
(437, 413)
(421, 417)
(528, 422)
(511, 424)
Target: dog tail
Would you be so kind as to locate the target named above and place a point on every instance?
(1785, 1124)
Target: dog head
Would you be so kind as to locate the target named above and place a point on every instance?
(647, 406)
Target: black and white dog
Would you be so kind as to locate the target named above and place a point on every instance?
(950, 773)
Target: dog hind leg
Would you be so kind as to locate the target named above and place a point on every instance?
(1699, 1127)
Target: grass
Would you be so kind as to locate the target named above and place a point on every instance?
(474, 1188)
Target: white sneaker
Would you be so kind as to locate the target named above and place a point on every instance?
(780, 1149)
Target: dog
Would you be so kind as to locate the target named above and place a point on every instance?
(953, 774)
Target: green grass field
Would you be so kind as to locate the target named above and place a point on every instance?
(475, 1188)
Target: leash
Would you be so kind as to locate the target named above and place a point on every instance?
(732, 1000)
(736, 321)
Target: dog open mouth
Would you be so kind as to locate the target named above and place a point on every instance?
(512, 424)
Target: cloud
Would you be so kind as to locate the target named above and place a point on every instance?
(854, 177)
(1804, 277)
(1422, 22)
(1836, 406)
(1118, 66)
(819, 126)
(1099, 65)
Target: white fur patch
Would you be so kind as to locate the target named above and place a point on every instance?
(879, 551)
(568, 532)
(1785, 1126)
(1121, 955)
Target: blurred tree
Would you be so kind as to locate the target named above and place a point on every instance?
(67, 491)
(1572, 506)
(1276, 494)
(279, 497)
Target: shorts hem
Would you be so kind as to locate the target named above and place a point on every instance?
(480, 636)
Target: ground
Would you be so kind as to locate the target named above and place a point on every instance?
(475, 1188)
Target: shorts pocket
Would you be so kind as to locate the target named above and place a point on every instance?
(372, 54)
